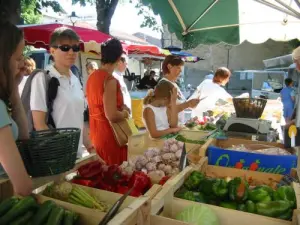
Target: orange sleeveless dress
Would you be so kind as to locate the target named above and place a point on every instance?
(100, 130)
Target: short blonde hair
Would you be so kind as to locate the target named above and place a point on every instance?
(92, 65)
(296, 53)
(29, 64)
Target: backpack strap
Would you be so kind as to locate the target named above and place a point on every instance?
(50, 96)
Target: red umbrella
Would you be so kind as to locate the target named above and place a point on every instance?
(38, 35)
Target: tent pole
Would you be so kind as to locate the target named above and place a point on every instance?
(200, 17)
(173, 6)
(277, 8)
(288, 7)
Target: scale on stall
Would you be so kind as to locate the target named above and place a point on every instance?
(245, 121)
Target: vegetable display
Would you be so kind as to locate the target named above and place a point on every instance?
(158, 163)
(20, 211)
(114, 178)
(205, 124)
(73, 194)
(236, 193)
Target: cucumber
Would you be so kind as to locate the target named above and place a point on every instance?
(19, 209)
(56, 216)
(70, 218)
(23, 220)
(43, 213)
(7, 204)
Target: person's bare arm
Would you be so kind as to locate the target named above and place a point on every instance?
(110, 103)
(19, 116)
(13, 164)
(192, 103)
(149, 117)
(39, 120)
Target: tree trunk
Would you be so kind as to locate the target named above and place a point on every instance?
(105, 11)
(10, 10)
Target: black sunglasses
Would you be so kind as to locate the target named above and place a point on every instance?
(66, 48)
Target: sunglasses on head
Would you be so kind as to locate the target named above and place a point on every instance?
(66, 48)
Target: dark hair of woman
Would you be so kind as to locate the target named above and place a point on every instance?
(10, 37)
(173, 61)
(111, 51)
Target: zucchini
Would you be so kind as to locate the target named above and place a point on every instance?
(19, 209)
(56, 216)
(7, 204)
(43, 213)
(70, 218)
(23, 220)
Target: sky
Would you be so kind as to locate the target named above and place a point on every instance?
(125, 18)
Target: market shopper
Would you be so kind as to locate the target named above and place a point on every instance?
(11, 45)
(68, 106)
(160, 112)
(118, 74)
(210, 91)
(28, 68)
(288, 99)
(172, 67)
(106, 104)
(91, 67)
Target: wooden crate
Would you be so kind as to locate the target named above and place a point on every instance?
(140, 214)
(6, 188)
(237, 141)
(171, 206)
(86, 216)
(138, 144)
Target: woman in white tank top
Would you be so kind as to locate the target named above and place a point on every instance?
(160, 112)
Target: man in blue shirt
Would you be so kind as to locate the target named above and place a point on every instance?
(288, 100)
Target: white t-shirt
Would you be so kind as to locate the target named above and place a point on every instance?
(124, 89)
(212, 92)
(68, 105)
(180, 99)
(161, 117)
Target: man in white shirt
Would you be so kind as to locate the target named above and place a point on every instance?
(118, 74)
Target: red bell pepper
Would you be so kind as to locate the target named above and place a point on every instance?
(107, 187)
(114, 176)
(83, 182)
(140, 181)
(163, 180)
(91, 169)
(122, 189)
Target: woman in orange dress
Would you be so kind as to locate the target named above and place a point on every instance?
(106, 105)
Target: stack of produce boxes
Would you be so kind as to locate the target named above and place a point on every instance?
(226, 196)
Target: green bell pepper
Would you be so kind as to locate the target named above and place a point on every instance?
(193, 181)
(219, 188)
(179, 193)
(229, 205)
(199, 197)
(189, 195)
(286, 193)
(273, 209)
(250, 207)
(261, 194)
(242, 207)
(238, 189)
(286, 216)
(206, 186)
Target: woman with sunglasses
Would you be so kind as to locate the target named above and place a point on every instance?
(68, 106)
(11, 58)
(106, 104)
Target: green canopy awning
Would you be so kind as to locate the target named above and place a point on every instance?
(185, 15)
(231, 21)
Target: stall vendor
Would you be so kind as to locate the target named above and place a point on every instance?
(210, 91)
